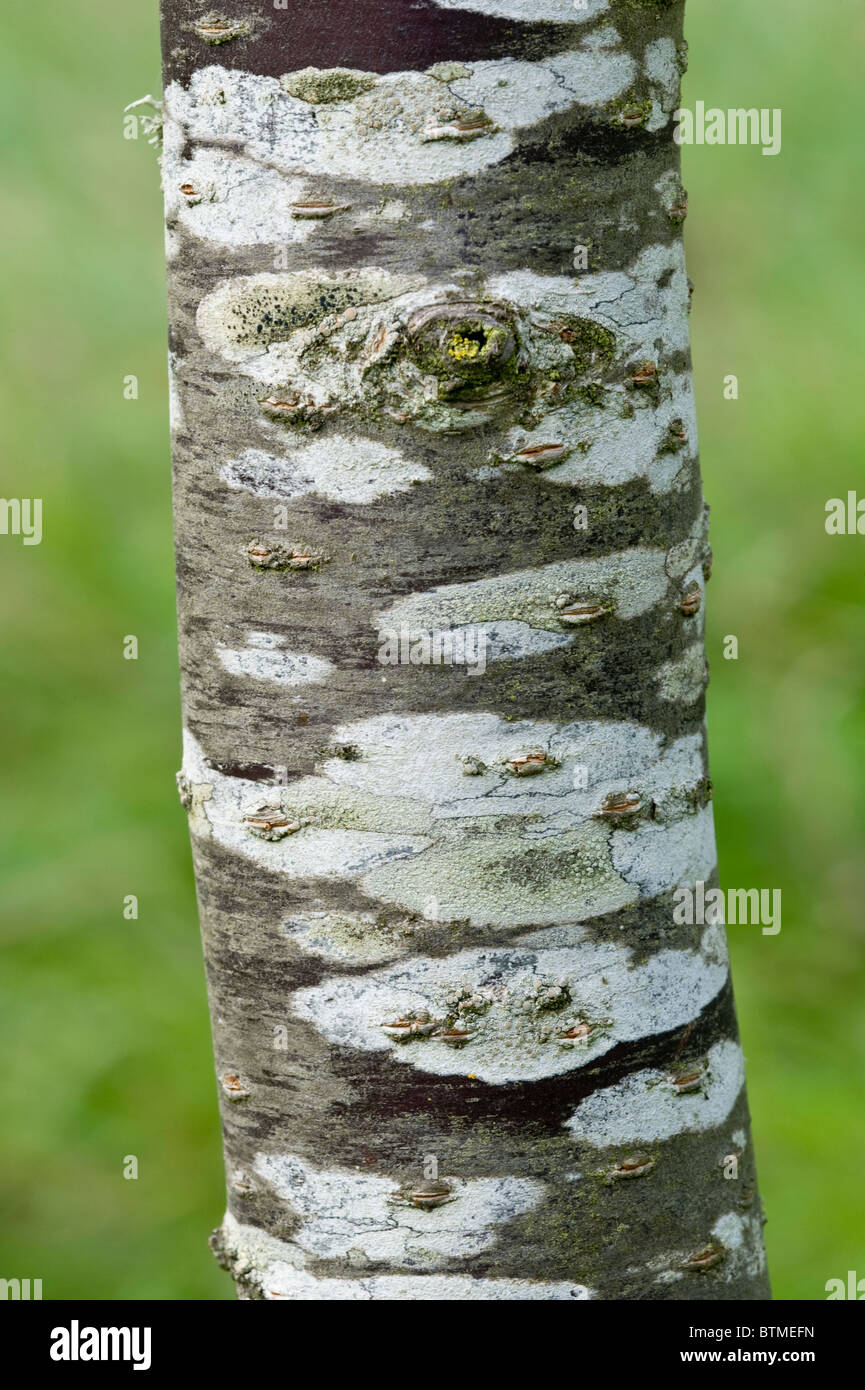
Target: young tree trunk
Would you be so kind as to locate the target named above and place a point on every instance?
(441, 555)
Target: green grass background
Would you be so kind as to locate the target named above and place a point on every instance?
(103, 1022)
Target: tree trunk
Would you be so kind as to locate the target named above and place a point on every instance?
(441, 555)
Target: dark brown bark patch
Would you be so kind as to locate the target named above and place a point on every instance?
(375, 35)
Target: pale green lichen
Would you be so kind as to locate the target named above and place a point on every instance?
(330, 807)
(194, 797)
(357, 937)
(322, 86)
(505, 879)
(448, 72)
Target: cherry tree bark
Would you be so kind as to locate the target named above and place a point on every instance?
(441, 562)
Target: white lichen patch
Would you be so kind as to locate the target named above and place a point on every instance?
(516, 1006)
(496, 847)
(376, 137)
(736, 1251)
(646, 302)
(646, 1107)
(684, 679)
(632, 434)
(514, 93)
(474, 866)
(343, 1213)
(505, 641)
(615, 443)
(284, 1282)
(232, 201)
(310, 852)
(401, 128)
(338, 467)
(420, 757)
(264, 658)
(276, 1268)
(658, 858)
(631, 582)
(742, 1238)
(557, 11)
(661, 66)
(175, 404)
(688, 554)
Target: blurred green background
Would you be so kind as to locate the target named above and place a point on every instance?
(103, 1021)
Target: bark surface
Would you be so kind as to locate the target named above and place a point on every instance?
(441, 561)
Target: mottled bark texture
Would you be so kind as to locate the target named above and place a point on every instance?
(464, 1049)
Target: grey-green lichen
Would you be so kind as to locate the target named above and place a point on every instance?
(321, 86)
